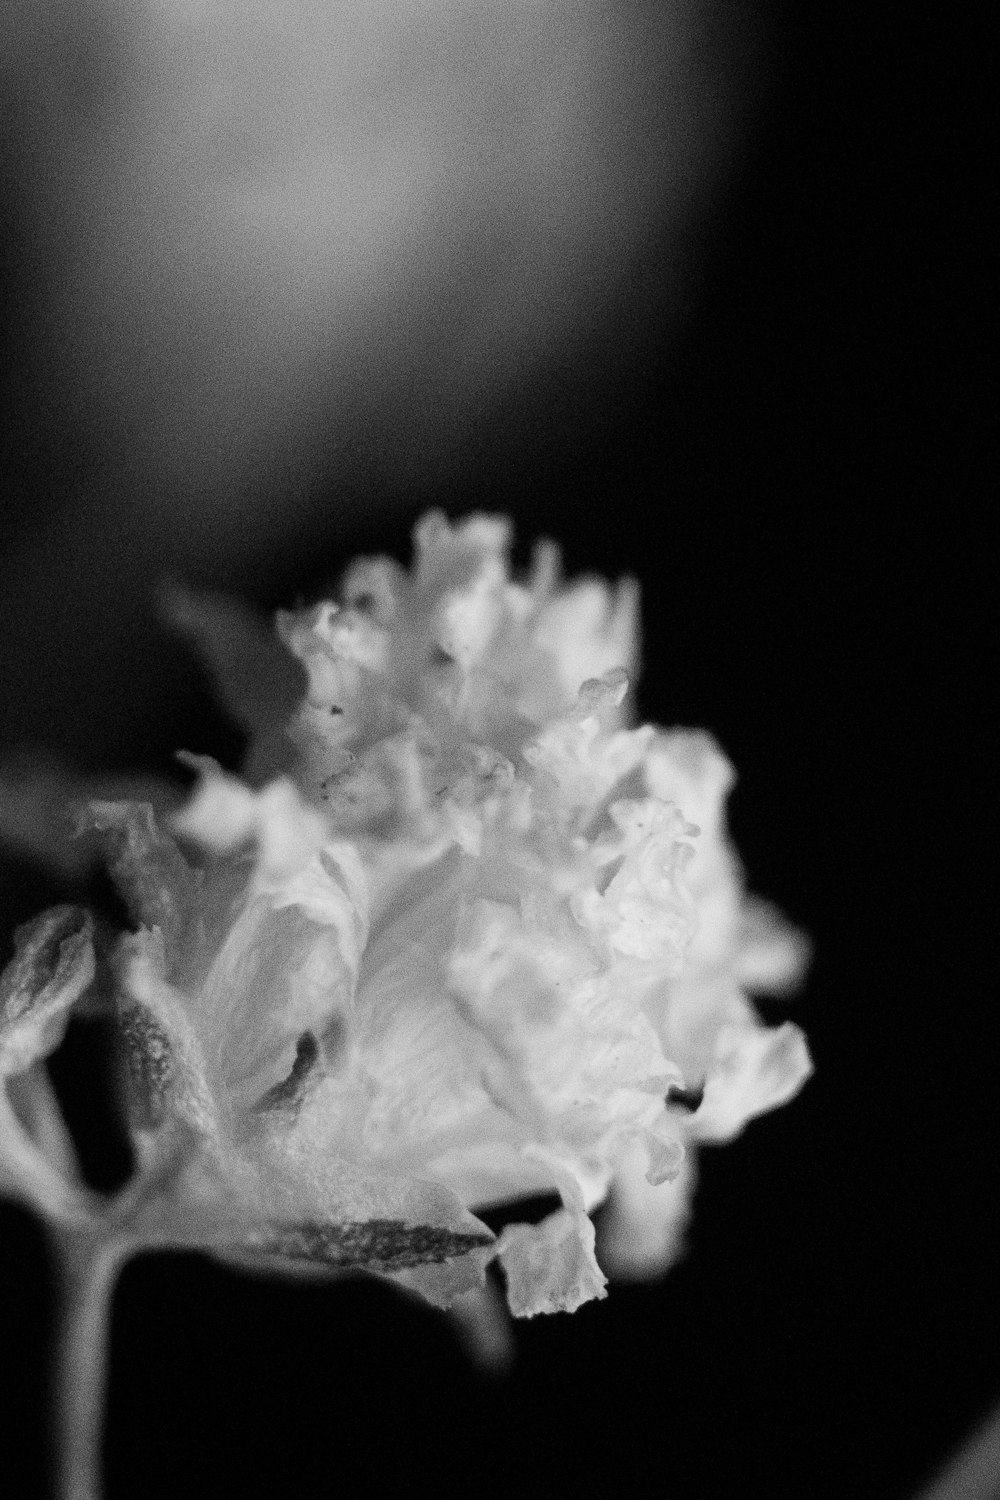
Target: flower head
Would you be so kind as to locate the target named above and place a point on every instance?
(480, 938)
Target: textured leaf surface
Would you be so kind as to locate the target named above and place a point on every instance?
(52, 966)
(374, 1245)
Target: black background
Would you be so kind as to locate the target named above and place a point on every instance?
(798, 482)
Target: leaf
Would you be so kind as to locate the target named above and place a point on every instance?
(371, 1245)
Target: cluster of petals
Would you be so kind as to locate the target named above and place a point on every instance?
(460, 936)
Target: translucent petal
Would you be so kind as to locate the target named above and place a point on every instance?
(551, 1267)
(298, 1187)
(589, 629)
(480, 1318)
(755, 1069)
(641, 1227)
(285, 963)
(580, 759)
(645, 911)
(443, 1283)
(772, 955)
(224, 815)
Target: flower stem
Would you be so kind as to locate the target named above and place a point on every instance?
(89, 1263)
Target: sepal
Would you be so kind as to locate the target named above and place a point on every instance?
(52, 966)
(156, 882)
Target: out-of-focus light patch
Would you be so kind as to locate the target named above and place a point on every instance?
(262, 222)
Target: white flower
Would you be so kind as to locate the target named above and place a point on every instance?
(479, 940)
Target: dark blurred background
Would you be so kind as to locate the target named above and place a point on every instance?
(701, 293)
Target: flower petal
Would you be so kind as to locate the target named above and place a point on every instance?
(773, 955)
(284, 962)
(551, 1267)
(224, 815)
(641, 1228)
(756, 1069)
(480, 1319)
(342, 1214)
(589, 629)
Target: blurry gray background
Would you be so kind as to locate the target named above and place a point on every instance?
(280, 273)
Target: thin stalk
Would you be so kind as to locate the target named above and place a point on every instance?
(89, 1266)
